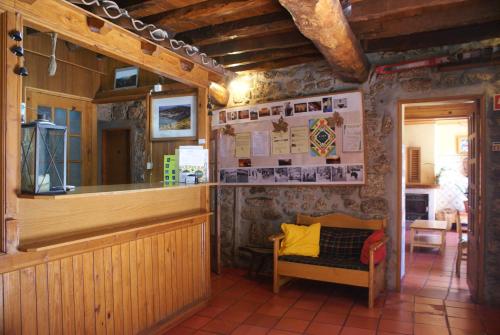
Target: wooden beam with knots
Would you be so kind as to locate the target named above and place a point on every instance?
(324, 23)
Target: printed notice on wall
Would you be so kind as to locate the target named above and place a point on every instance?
(299, 140)
(260, 143)
(351, 117)
(226, 146)
(280, 143)
(242, 145)
(352, 138)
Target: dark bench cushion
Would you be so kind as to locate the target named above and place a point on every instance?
(344, 263)
(342, 242)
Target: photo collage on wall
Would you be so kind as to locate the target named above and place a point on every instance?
(296, 107)
(324, 174)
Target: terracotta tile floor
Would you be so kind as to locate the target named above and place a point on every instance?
(433, 301)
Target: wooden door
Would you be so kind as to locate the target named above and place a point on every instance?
(79, 116)
(475, 245)
(115, 156)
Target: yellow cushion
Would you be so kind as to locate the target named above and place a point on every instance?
(300, 240)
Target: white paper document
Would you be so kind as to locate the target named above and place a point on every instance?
(260, 143)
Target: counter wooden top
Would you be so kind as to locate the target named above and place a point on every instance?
(96, 190)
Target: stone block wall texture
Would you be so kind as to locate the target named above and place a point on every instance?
(249, 214)
(132, 115)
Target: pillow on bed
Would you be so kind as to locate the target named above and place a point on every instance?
(300, 240)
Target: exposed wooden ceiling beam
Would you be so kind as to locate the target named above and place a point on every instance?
(324, 23)
(434, 38)
(279, 41)
(266, 55)
(373, 10)
(212, 12)
(273, 23)
(470, 12)
(279, 63)
(152, 7)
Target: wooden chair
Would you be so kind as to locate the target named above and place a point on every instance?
(462, 244)
(372, 278)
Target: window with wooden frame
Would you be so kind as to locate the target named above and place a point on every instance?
(413, 168)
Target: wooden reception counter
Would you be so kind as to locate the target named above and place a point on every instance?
(107, 259)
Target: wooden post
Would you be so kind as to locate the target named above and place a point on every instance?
(10, 88)
(324, 23)
(11, 236)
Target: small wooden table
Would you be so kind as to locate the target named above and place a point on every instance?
(423, 234)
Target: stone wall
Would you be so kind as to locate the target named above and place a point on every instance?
(249, 214)
(128, 115)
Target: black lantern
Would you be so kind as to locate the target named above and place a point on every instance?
(43, 164)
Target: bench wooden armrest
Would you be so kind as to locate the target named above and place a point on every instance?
(276, 237)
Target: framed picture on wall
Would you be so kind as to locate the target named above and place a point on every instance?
(462, 144)
(126, 77)
(173, 117)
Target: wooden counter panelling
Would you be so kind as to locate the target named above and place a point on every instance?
(41, 218)
(121, 288)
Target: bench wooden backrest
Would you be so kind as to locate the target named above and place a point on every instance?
(340, 220)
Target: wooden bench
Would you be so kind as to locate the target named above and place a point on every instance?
(353, 273)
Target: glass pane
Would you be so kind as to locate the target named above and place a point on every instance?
(28, 159)
(75, 148)
(60, 117)
(75, 174)
(75, 122)
(44, 112)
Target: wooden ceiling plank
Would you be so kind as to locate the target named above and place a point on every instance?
(230, 61)
(372, 10)
(279, 63)
(324, 23)
(149, 7)
(70, 22)
(262, 25)
(472, 12)
(278, 41)
(212, 12)
(434, 38)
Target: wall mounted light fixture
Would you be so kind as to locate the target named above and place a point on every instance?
(17, 50)
(16, 35)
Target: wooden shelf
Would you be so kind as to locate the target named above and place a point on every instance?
(114, 233)
(99, 190)
(423, 186)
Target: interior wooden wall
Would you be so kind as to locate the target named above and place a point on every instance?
(82, 81)
(146, 78)
(124, 287)
(160, 148)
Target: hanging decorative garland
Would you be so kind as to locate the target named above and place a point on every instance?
(110, 10)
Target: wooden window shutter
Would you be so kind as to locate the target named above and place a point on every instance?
(414, 165)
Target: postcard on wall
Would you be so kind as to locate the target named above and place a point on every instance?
(260, 143)
(242, 145)
(280, 143)
(327, 105)
(299, 140)
(222, 117)
(355, 173)
(352, 138)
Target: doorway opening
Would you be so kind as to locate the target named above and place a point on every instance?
(115, 156)
(439, 170)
